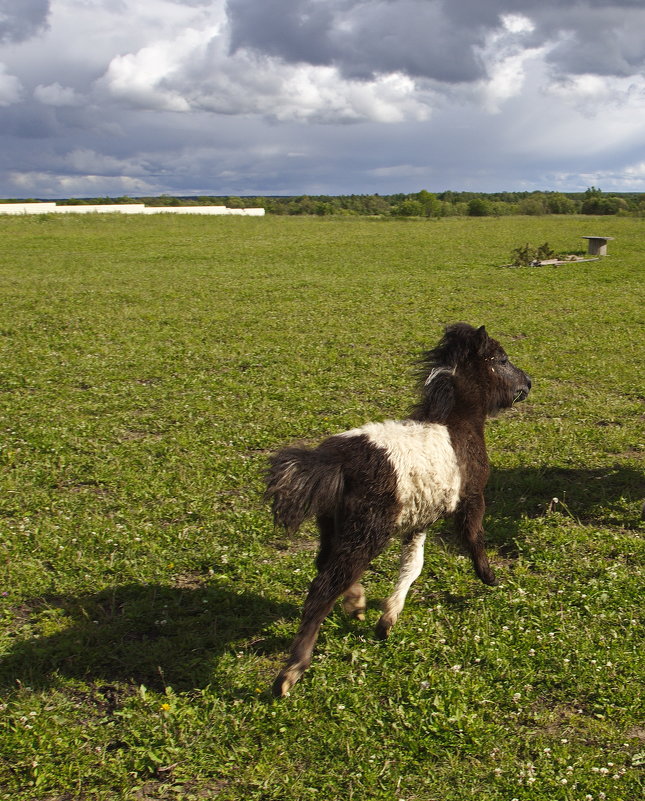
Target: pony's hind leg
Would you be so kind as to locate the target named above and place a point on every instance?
(410, 567)
(354, 597)
(339, 574)
(357, 539)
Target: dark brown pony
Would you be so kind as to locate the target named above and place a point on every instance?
(396, 477)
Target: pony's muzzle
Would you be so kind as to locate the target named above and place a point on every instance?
(523, 391)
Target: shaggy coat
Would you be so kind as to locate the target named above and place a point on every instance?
(395, 478)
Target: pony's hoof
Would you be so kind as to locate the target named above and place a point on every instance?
(285, 680)
(354, 606)
(383, 629)
(487, 576)
(281, 686)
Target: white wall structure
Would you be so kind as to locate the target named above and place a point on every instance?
(185, 210)
(27, 208)
(202, 210)
(122, 208)
(246, 212)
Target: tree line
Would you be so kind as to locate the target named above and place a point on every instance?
(417, 204)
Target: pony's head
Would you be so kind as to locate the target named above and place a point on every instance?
(468, 371)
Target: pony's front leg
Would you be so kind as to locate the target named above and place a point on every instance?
(468, 519)
(409, 569)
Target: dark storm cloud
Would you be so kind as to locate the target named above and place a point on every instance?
(605, 41)
(439, 39)
(410, 36)
(20, 19)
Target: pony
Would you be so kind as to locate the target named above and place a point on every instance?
(396, 477)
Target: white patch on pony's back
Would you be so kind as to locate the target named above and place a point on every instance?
(427, 473)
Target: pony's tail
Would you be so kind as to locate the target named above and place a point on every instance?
(300, 484)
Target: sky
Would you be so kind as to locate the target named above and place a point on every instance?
(291, 97)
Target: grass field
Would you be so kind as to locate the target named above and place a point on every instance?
(148, 366)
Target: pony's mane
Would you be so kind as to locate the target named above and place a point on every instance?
(436, 368)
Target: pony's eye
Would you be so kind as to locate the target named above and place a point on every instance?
(503, 359)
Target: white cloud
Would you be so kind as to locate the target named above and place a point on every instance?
(195, 71)
(398, 170)
(144, 79)
(594, 94)
(623, 179)
(86, 160)
(506, 59)
(56, 95)
(54, 185)
(517, 23)
(10, 87)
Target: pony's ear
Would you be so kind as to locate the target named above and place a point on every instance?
(439, 396)
(481, 339)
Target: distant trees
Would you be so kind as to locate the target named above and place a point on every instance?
(532, 206)
(417, 204)
(479, 207)
(597, 203)
(409, 208)
(557, 203)
(422, 204)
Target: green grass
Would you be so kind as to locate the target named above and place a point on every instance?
(148, 366)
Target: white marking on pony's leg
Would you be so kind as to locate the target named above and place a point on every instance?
(354, 601)
(410, 567)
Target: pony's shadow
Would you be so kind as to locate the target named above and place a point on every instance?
(148, 634)
(605, 497)
(590, 495)
(157, 635)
